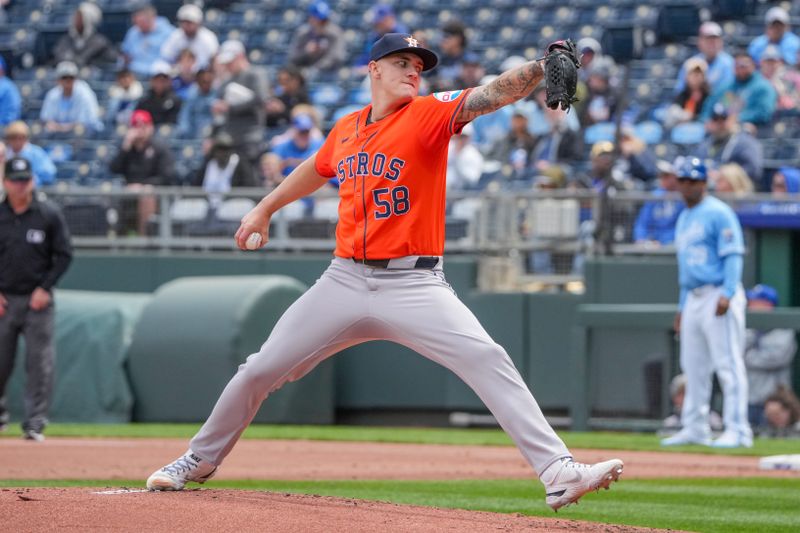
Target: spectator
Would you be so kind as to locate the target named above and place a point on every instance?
(689, 102)
(83, 44)
(785, 81)
(36, 252)
(638, 161)
(10, 99)
(452, 49)
(195, 115)
(515, 150)
(471, 73)
(160, 101)
(677, 393)
(290, 92)
(777, 33)
(143, 41)
(464, 161)
(297, 149)
(383, 20)
(191, 35)
(318, 45)
(300, 109)
(711, 50)
(270, 170)
(185, 74)
(732, 179)
(655, 223)
(785, 181)
(223, 169)
(123, 96)
(71, 104)
(300, 146)
(560, 145)
(725, 142)
(750, 96)
(17, 135)
(782, 413)
(239, 108)
(768, 355)
(600, 104)
(144, 163)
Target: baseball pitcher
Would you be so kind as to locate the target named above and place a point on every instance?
(386, 279)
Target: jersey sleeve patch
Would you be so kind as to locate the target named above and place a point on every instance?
(448, 96)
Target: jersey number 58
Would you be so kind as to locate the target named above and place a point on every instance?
(391, 201)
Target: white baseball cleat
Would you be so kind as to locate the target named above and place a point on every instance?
(684, 438)
(188, 467)
(565, 481)
(732, 439)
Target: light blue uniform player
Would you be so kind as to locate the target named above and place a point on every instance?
(710, 319)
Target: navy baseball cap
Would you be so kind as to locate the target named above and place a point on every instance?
(18, 169)
(393, 43)
(763, 292)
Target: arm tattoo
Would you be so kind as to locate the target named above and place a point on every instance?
(509, 87)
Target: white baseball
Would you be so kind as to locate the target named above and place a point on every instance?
(253, 241)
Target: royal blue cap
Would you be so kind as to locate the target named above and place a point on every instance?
(694, 169)
(320, 10)
(303, 122)
(393, 43)
(763, 292)
(380, 12)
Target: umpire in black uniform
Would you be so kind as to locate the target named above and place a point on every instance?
(35, 251)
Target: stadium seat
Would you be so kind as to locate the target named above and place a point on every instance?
(688, 133)
(602, 131)
(649, 131)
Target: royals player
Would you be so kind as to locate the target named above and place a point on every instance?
(710, 319)
(386, 279)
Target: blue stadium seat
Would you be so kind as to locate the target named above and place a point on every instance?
(649, 131)
(688, 133)
(602, 131)
(326, 94)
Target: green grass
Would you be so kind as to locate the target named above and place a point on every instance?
(480, 437)
(712, 505)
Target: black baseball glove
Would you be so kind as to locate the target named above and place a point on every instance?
(561, 64)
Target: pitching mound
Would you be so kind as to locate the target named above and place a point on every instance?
(81, 509)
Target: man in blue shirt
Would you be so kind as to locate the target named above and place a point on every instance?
(10, 101)
(777, 33)
(17, 135)
(296, 149)
(143, 41)
(70, 103)
(711, 49)
(195, 114)
(655, 223)
(710, 319)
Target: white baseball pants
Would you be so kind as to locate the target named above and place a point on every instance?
(352, 303)
(713, 344)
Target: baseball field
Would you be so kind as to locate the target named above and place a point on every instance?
(323, 478)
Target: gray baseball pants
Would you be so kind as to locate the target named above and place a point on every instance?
(352, 303)
(37, 328)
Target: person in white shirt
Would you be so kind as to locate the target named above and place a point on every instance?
(193, 35)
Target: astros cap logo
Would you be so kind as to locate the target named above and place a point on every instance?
(411, 41)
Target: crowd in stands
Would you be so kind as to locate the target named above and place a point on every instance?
(160, 93)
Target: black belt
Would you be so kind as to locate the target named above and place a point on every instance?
(427, 263)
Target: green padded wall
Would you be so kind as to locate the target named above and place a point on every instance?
(547, 331)
(195, 333)
(93, 332)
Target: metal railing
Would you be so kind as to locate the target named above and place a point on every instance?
(525, 236)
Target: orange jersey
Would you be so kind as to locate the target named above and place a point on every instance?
(392, 177)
